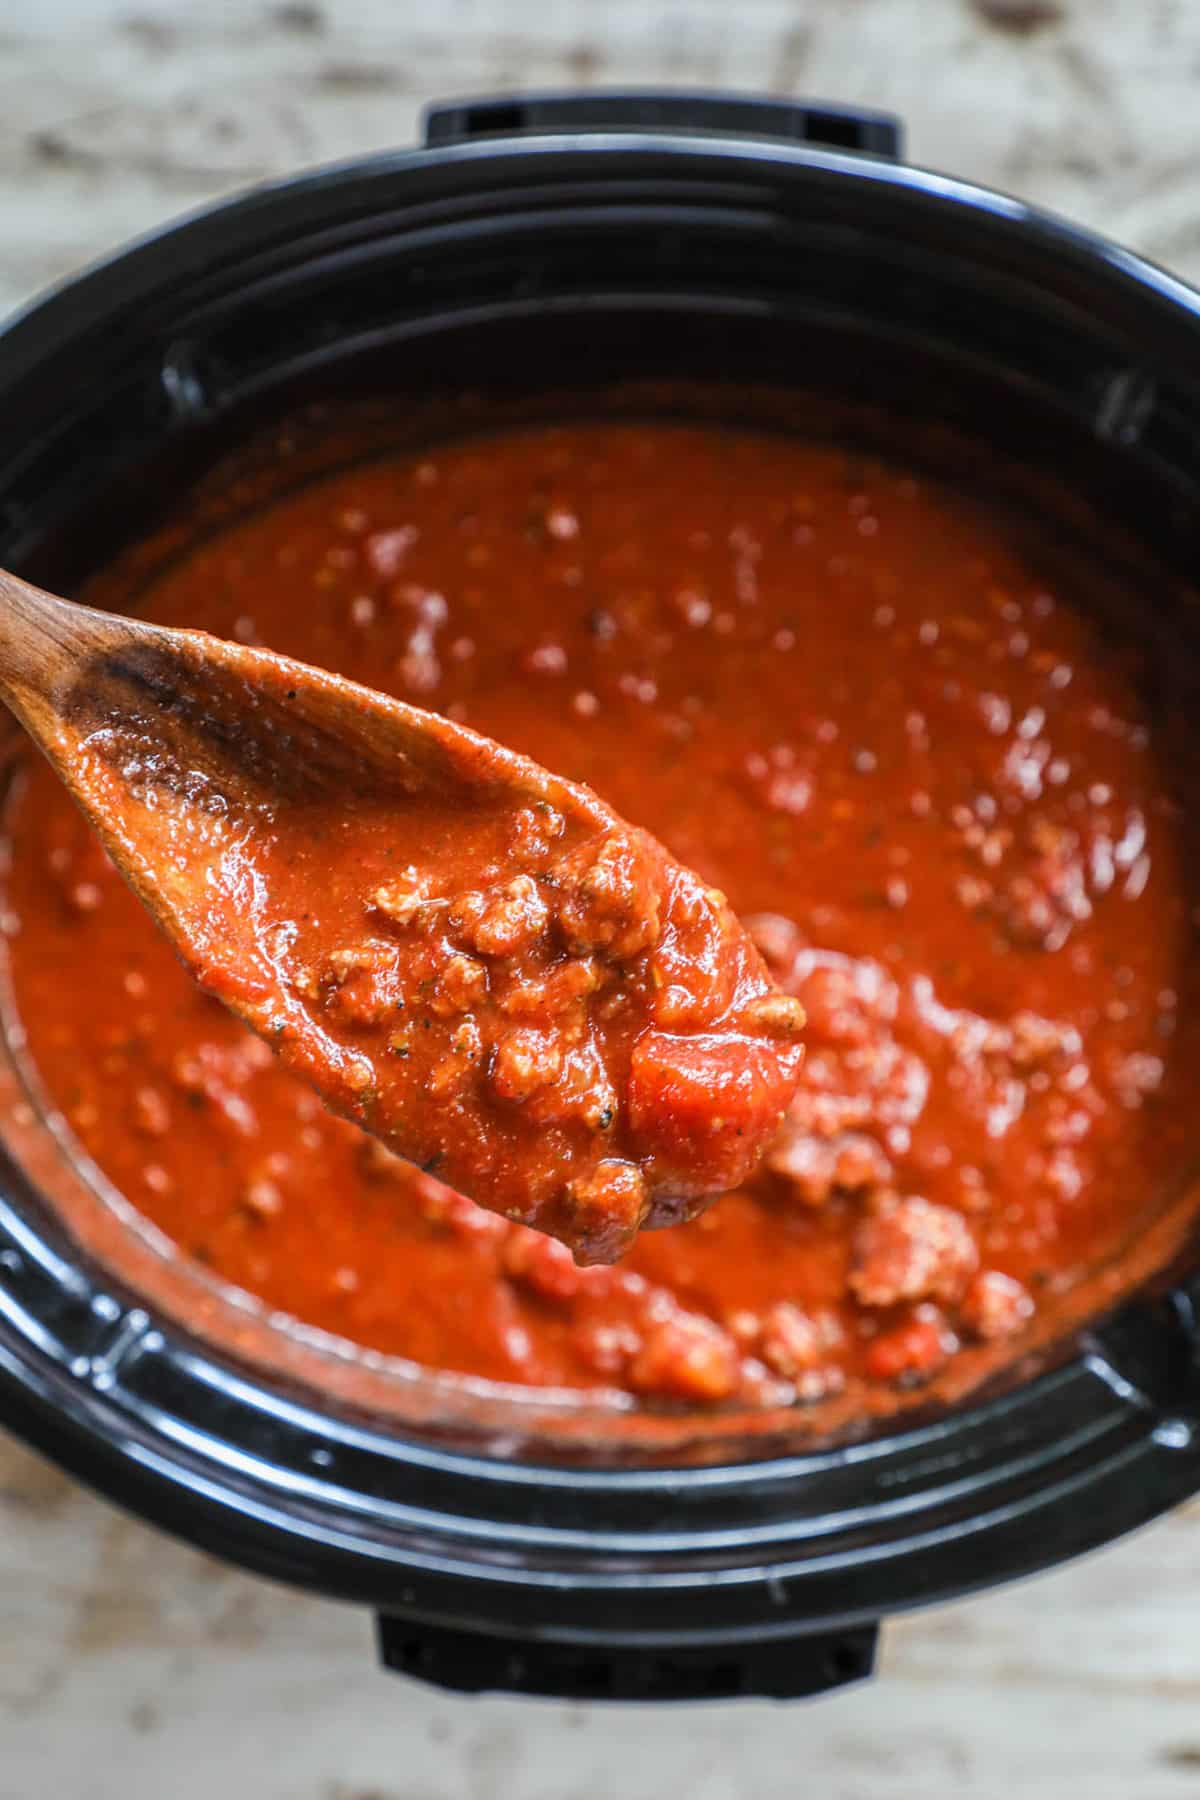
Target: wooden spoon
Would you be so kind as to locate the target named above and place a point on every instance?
(468, 956)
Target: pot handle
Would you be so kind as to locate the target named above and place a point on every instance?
(787, 1668)
(796, 121)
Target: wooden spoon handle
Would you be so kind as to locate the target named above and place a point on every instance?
(44, 644)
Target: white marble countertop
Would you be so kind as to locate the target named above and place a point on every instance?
(134, 1669)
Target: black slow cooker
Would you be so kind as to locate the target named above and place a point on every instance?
(569, 241)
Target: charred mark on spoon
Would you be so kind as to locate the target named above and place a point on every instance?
(236, 727)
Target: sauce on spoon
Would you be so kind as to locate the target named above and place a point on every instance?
(474, 960)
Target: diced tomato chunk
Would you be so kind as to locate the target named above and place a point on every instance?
(702, 1107)
(912, 1352)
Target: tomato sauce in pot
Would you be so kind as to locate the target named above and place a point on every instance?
(853, 702)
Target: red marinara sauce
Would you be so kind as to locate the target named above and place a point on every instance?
(548, 1013)
(852, 703)
(465, 955)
